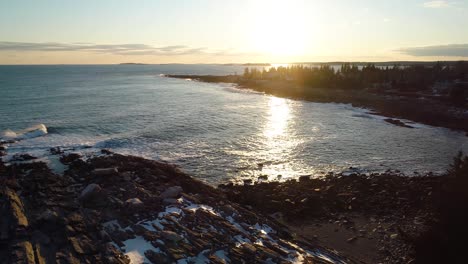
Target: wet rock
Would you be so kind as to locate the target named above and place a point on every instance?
(67, 159)
(23, 157)
(304, 178)
(106, 151)
(56, 151)
(397, 122)
(263, 177)
(172, 192)
(247, 181)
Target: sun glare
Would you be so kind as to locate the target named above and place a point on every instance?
(279, 28)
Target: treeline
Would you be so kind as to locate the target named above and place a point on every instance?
(348, 76)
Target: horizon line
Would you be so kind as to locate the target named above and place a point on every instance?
(238, 63)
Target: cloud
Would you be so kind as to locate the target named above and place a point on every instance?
(436, 4)
(451, 50)
(118, 49)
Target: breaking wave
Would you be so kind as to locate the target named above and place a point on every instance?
(30, 132)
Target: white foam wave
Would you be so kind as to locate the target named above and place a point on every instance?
(30, 132)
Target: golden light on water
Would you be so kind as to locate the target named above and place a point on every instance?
(279, 115)
(278, 138)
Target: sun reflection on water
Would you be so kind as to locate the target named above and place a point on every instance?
(279, 116)
(279, 140)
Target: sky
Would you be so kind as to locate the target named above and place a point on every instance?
(231, 31)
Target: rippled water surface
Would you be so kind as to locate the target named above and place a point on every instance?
(213, 131)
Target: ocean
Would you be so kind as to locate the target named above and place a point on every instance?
(215, 132)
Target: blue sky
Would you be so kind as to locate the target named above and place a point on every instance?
(210, 31)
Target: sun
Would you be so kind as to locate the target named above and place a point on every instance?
(279, 28)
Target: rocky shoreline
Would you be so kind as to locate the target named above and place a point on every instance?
(420, 109)
(121, 209)
(111, 208)
(374, 218)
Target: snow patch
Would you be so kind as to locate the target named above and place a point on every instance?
(135, 249)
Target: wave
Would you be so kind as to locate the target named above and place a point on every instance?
(30, 132)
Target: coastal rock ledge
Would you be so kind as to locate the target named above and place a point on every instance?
(121, 209)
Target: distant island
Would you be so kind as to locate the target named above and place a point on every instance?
(132, 63)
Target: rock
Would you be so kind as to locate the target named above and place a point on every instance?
(106, 151)
(304, 178)
(105, 171)
(82, 244)
(90, 192)
(172, 192)
(16, 208)
(23, 157)
(39, 237)
(105, 236)
(23, 253)
(39, 252)
(263, 177)
(171, 201)
(56, 151)
(76, 245)
(248, 181)
(397, 122)
(171, 236)
(48, 216)
(126, 175)
(157, 257)
(249, 248)
(67, 159)
(134, 202)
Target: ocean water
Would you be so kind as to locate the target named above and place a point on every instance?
(215, 132)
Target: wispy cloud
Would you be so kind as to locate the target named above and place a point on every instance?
(451, 50)
(118, 49)
(436, 4)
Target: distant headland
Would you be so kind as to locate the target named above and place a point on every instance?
(132, 63)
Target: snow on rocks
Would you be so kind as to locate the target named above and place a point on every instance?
(167, 217)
